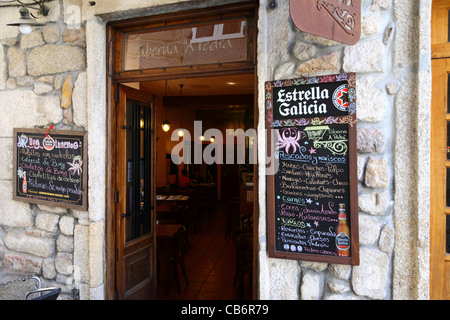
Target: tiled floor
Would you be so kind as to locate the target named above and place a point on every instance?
(210, 263)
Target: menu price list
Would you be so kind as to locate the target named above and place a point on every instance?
(311, 191)
(49, 167)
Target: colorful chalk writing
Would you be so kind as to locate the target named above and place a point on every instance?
(309, 186)
(312, 197)
(49, 168)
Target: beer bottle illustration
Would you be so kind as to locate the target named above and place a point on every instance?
(342, 233)
(24, 183)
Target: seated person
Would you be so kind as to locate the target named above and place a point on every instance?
(183, 180)
(197, 177)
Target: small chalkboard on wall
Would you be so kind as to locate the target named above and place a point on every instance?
(312, 185)
(50, 167)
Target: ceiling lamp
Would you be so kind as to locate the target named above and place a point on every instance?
(26, 22)
(166, 124)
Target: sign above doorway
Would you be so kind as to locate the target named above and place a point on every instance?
(193, 45)
(338, 20)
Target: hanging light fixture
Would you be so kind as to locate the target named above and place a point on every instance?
(165, 124)
(181, 130)
(27, 20)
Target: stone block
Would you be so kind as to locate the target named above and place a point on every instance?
(6, 158)
(2, 68)
(19, 241)
(64, 263)
(47, 222)
(370, 278)
(361, 162)
(81, 252)
(50, 32)
(55, 58)
(67, 225)
(25, 81)
(311, 285)
(303, 51)
(16, 62)
(370, 140)
(374, 203)
(64, 243)
(330, 63)
(13, 213)
(27, 110)
(369, 230)
(22, 263)
(74, 35)
(340, 271)
(377, 175)
(386, 241)
(96, 252)
(34, 39)
(284, 284)
(9, 15)
(370, 25)
(372, 101)
(383, 4)
(11, 84)
(66, 94)
(365, 56)
(79, 101)
(42, 88)
(284, 71)
(48, 269)
(51, 209)
(319, 40)
(338, 286)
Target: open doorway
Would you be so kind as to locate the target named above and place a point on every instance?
(220, 194)
(217, 203)
(172, 224)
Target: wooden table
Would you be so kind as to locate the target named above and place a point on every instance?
(174, 198)
(167, 231)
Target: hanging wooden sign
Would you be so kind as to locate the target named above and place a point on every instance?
(338, 20)
(312, 185)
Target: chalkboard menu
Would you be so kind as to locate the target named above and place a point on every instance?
(50, 167)
(312, 183)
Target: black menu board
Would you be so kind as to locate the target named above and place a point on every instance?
(50, 167)
(312, 182)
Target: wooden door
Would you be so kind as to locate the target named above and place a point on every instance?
(440, 153)
(135, 196)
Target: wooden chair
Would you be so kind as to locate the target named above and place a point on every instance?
(233, 216)
(171, 253)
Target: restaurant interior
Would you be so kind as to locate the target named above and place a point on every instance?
(210, 205)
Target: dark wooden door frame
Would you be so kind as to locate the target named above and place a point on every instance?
(114, 31)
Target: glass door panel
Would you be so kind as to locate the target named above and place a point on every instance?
(138, 144)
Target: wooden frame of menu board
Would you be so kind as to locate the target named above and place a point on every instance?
(312, 184)
(50, 167)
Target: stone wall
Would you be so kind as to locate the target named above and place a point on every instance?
(44, 80)
(42, 83)
(385, 60)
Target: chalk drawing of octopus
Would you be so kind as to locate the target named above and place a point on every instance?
(289, 137)
(22, 141)
(75, 166)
